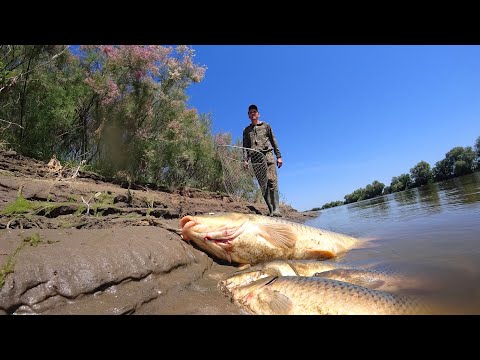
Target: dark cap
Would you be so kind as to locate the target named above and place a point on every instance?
(252, 107)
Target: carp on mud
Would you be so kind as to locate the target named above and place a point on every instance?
(375, 277)
(300, 295)
(251, 239)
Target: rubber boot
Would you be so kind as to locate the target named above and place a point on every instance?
(268, 201)
(275, 203)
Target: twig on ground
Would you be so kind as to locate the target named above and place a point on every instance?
(87, 203)
(78, 169)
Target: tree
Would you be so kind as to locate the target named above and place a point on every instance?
(38, 97)
(329, 205)
(458, 161)
(387, 190)
(421, 174)
(121, 108)
(441, 170)
(139, 124)
(477, 152)
(357, 195)
(374, 189)
(400, 183)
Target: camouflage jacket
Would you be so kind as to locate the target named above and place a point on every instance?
(260, 137)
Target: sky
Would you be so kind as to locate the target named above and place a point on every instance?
(344, 115)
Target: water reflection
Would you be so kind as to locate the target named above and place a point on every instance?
(407, 197)
(428, 194)
(373, 207)
(430, 230)
(462, 190)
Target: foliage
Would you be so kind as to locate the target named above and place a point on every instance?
(421, 174)
(355, 196)
(374, 189)
(40, 103)
(329, 205)
(400, 183)
(458, 161)
(139, 108)
(122, 109)
(476, 147)
(370, 191)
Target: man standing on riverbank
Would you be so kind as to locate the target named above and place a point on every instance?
(259, 136)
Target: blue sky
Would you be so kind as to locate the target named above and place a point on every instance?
(344, 116)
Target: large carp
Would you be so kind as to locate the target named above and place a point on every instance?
(300, 295)
(251, 239)
(374, 276)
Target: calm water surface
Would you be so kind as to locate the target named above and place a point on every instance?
(431, 233)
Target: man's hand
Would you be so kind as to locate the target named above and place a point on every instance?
(245, 164)
(279, 162)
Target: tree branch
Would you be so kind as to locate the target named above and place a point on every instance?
(10, 123)
(13, 79)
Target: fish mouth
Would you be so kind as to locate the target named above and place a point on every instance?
(215, 238)
(221, 235)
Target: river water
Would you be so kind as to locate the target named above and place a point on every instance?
(431, 233)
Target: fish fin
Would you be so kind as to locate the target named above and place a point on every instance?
(292, 267)
(351, 276)
(279, 304)
(243, 266)
(319, 254)
(367, 243)
(371, 284)
(331, 274)
(279, 235)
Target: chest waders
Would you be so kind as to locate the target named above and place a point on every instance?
(271, 194)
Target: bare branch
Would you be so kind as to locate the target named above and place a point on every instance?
(78, 169)
(87, 203)
(13, 79)
(8, 52)
(10, 123)
(12, 102)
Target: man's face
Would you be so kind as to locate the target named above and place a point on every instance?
(253, 114)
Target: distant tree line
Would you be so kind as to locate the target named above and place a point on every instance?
(121, 109)
(457, 162)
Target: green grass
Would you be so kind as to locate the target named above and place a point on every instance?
(33, 240)
(8, 267)
(105, 198)
(45, 205)
(80, 210)
(23, 206)
(20, 206)
(6, 173)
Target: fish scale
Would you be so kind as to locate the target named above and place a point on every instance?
(312, 295)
